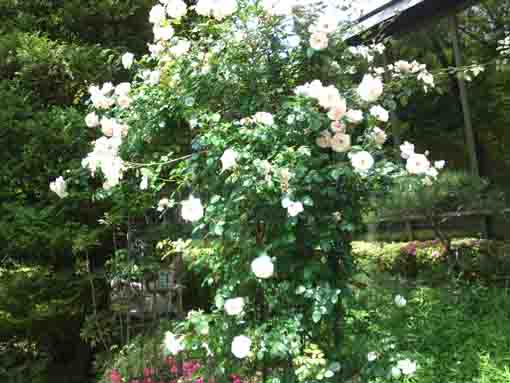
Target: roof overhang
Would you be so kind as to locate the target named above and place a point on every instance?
(400, 16)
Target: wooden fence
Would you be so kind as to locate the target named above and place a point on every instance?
(457, 224)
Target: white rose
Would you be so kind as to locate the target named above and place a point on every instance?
(127, 60)
(204, 7)
(362, 161)
(144, 184)
(173, 344)
(427, 78)
(108, 126)
(379, 136)
(330, 97)
(156, 49)
(294, 208)
(92, 120)
(224, 8)
(163, 33)
(241, 346)
(124, 101)
(379, 113)
(157, 14)
(400, 301)
(162, 204)
(180, 48)
(370, 89)
(123, 89)
(403, 66)
(59, 187)
(312, 89)
(354, 116)
(228, 159)
(192, 209)
(417, 164)
(264, 118)
(176, 8)
(439, 164)
(107, 88)
(340, 142)
(262, 267)
(406, 149)
(407, 366)
(153, 77)
(371, 356)
(234, 306)
(319, 41)
(337, 111)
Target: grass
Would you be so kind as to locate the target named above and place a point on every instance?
(457, 331)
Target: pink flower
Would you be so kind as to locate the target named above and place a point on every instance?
(115, 377)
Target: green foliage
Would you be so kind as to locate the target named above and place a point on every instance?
(479, 261)
(49, 53)
(455, 333)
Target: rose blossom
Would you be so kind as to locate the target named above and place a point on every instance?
(371, 356)
(439, 164)
(379, 113)
(262, 267)
(354, 116)
(234, 306)
(228, 159)
(127, 60)
(379, 136)
(173, 344)
(329, 97)
(92, 120)
(319, 41)
(362, 161)
(407, 366)
(241, 346)
(400, 301)
(407, 150)
(157, 14)
(338, 111)
(162, 204)
(370, 89)
(176, 8)
(295, 208)
(264, 118)
(122, 89)
(163, 33)
(123, 101)
(192, 209)
(417, 164)
(340, 142)
(59, 187)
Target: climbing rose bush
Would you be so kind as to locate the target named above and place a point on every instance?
(256, 130)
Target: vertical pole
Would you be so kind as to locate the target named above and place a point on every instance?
(468, 125)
